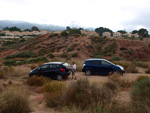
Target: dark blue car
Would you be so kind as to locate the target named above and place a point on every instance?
(53, 70)
(101, 66)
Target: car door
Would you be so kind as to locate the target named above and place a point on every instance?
(95, 66)
(106, 67)
(43, 70)
(52, 71)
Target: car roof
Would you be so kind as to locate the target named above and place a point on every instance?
(54, 63)
(98, 59)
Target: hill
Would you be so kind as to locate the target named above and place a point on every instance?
(28, 25)
(54, 45)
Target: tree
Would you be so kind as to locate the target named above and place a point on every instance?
(74, 31)
(122, 31)
(134, 31)
(64, 33)
(68, 28)
(143, 32)
(6, 29)
(34, 28)
(14, 29)
(100, 30)
(28, 30)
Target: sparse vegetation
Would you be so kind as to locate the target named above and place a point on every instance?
(27, 54)
(14, 100)
(35, 81)
(140, 95)
(148, 71)
(132, 68)
(116, 58)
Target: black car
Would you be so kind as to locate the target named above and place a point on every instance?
(101, 66)
(54, 70)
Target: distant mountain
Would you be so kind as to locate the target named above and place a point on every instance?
(28, 25)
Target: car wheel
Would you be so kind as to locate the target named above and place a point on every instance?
(88, 72)
(59, 77)
(118, 72)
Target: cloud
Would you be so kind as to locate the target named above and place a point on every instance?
(114, 14)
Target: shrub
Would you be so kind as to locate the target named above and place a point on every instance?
(132, 69)
(50, 55)
(41, 52)
(64, 33)
(64, 55)
(141, 78)
(116, 58)
(33, 67)
(9, 62)
(35, 60)
(148, 71)
(14, 100)
(123, 83)
(35, 81)
(53, 93)
(53, 35)
(83, 95)
(70, 49)
(74, 54)
(27, 54)
(140, 95)
(1, 75)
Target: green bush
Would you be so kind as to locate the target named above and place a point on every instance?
(53, 35)
(116, 58)
(50, 55)
(70, 49)
(27, 54)
(9, 62)
(14, 100)
(64, 33)
(41, 52)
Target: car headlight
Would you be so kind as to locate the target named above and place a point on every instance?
(31, 71)
(122, 68)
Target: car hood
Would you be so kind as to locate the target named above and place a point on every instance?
(121, 67)
(33, 70)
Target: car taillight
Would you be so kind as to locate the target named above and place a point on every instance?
(62, 70)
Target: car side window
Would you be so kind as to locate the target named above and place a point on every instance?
(44, 67)
(105, 63)
(53, 66)
(94, 62)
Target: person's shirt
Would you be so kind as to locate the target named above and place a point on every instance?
(74, 66)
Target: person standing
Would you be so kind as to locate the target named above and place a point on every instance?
(74, 70)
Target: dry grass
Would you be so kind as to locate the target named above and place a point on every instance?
(140, 96)
(14, 100)
(17, 71)
(82, 96)
(33, 67)
(147, 71)
(123, 83)
(132, 69)
(35, 81)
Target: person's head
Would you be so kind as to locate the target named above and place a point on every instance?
(73, 63)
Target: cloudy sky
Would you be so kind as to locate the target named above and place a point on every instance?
(113, 14)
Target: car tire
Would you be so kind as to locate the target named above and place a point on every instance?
(88, 73)
(59, 77)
